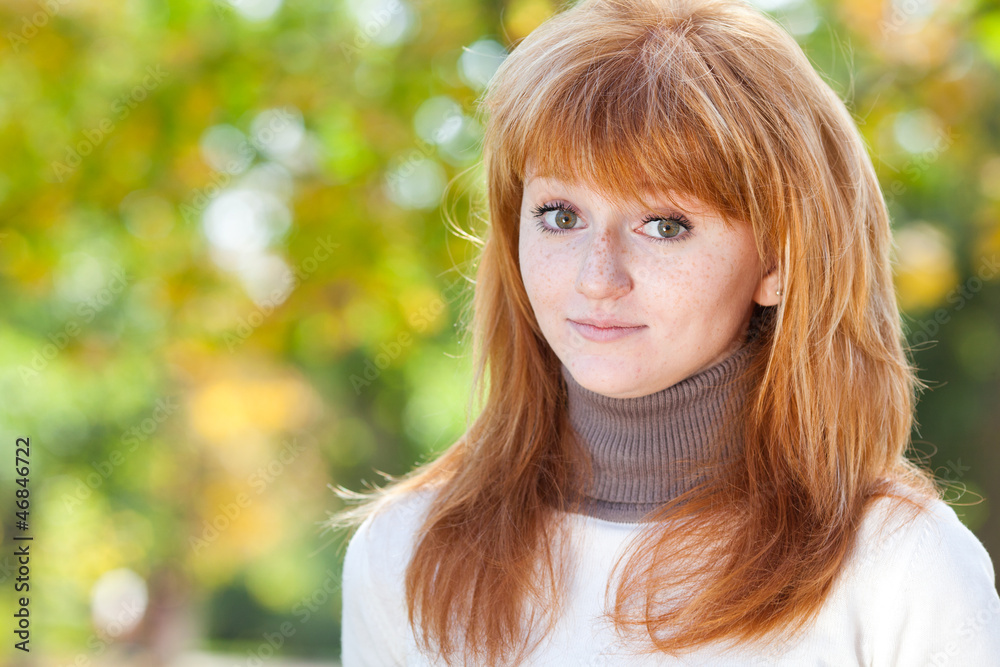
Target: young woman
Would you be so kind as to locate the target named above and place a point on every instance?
(691, 447)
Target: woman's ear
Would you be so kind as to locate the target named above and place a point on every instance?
(767, 289)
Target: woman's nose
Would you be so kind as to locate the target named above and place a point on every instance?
(604, 268)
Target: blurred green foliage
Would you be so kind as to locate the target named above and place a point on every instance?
(228, 282)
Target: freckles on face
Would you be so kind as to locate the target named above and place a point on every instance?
(720, 277)
(687, 297)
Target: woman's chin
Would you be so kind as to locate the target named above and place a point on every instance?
(607, 376)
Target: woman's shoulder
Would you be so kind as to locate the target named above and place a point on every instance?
(929, 584)
(909, 533)
(925, 527)
(375, 621)
(387, 534)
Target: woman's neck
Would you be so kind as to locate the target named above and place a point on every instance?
(641, 447)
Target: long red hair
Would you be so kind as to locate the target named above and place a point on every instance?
(712, 99)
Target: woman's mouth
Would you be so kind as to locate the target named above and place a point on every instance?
(600, 334)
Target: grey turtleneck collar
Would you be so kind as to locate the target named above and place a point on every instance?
(639, 446)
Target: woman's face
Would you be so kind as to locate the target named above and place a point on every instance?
(683, 283)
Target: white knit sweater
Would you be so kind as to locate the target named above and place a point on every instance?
(922, 595)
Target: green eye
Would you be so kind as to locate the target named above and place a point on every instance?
(565, 219)
(674, 227)
(669, 228)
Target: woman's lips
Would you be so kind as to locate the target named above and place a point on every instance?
(601, 334)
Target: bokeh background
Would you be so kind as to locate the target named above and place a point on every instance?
(232, 275)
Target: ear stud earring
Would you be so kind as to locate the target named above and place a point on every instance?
(777, 292)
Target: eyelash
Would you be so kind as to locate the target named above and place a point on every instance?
(539, 211)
